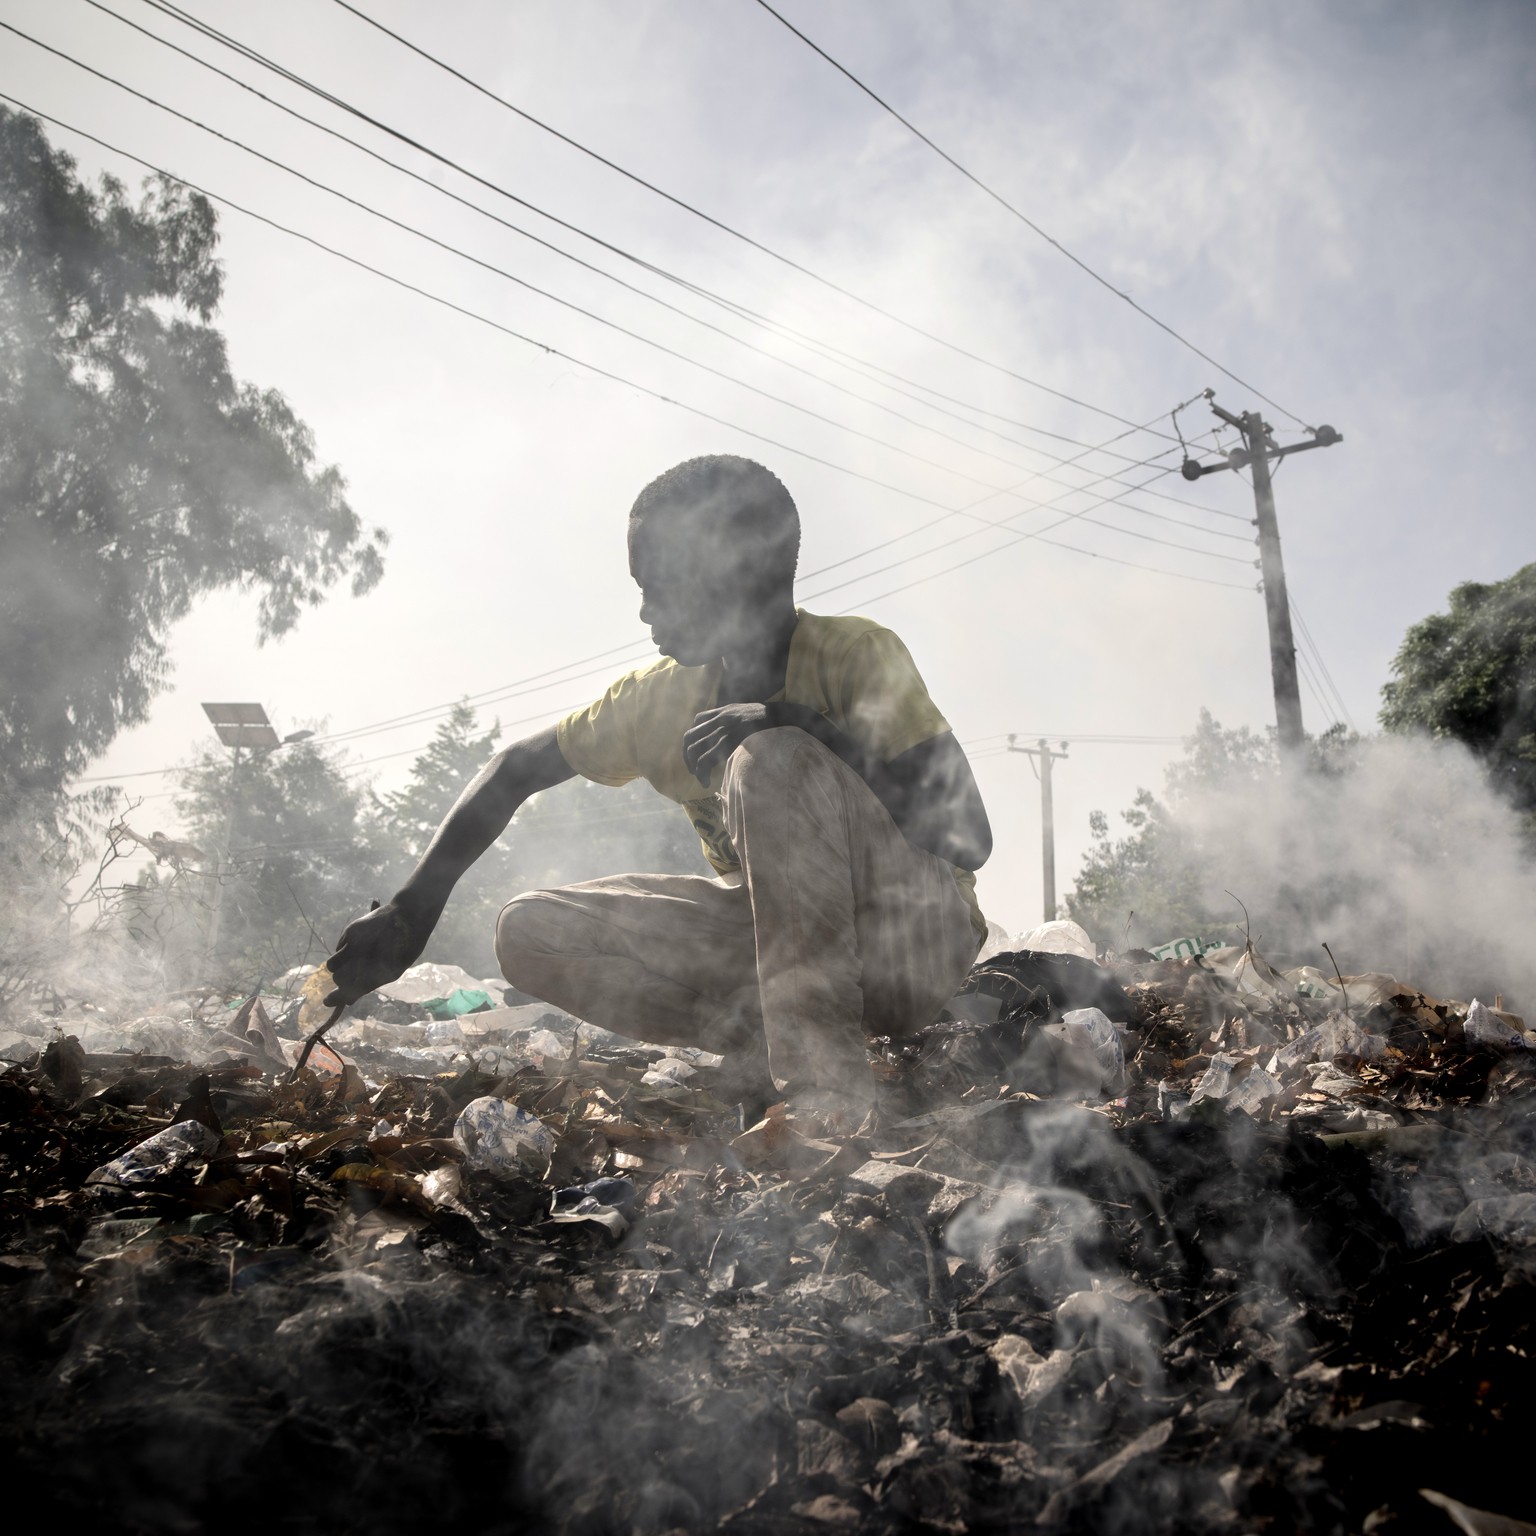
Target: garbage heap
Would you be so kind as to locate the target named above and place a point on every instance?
(1154, 1245)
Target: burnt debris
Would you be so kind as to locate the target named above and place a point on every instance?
(1259, 1258)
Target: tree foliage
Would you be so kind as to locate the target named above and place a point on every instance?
(1470, 674)
(136, 473)
(303, 854)
(1162, 879)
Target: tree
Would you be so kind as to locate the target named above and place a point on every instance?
(1169, 876)
(136, 473)
(1470, 674)
(456, 754)
(303, 853)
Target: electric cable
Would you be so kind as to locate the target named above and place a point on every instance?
(947, 511)
(1304, 669)
(845, 360)
(624, 330)
(1003, 202)
(1322, 666)
(819, 348)
(517, 335)
(252, 54)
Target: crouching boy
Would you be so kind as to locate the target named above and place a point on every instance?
(836, 808)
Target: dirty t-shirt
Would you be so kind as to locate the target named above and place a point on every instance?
(853, 671)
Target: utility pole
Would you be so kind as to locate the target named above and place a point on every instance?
(1259, 450)
(1045, 756)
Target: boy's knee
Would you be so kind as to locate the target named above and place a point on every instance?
(772, 756)
(522, 933)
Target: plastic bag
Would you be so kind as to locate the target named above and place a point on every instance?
(1105, 1041)
(158, 1155)
(1058, 937)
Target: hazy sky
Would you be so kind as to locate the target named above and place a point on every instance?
(1334, 202)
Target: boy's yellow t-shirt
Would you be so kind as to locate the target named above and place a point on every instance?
(853, 671)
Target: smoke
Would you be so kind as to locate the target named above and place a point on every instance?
(1105, 1324)
(1400, 857)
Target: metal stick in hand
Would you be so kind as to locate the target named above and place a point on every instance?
(320, 1033)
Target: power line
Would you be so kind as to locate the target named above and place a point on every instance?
(498, 271)
(648, 341)
(1019, 537)
(1312, 686)
(1209, 581)
(1023, 218)
(678, 202)
(594, 368)
(519, 336)
(823, 349)
(961, 511)
(842, 359)
(1322, 667)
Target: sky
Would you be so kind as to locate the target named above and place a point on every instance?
(1332, 203)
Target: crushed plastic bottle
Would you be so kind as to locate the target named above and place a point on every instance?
(546, 1044)
(498, 1137)
(157, 1155)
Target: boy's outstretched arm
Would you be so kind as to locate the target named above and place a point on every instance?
(378, 947)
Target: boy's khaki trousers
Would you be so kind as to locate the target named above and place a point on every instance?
(836, 928)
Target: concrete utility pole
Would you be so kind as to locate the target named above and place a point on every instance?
(1259, 450)
(1046, 757)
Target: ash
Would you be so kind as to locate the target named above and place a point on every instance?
(1260, 1260)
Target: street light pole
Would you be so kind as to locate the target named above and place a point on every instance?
(222, 857)
(238, 726)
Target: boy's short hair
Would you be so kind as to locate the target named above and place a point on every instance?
(733, 499)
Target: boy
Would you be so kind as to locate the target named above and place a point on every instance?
(832, 800)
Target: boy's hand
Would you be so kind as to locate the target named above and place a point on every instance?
(716, 733)
(376, 948)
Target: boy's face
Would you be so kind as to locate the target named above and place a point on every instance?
(698, 601)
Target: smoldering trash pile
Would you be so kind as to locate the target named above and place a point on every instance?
(1154, 1245)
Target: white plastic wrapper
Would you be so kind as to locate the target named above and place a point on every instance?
(498, 1137)
(1485, 1027)
(1247, 1093)
(158, 1155)
(669, 1070)
(1337, 1035)
(1215, 1080)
